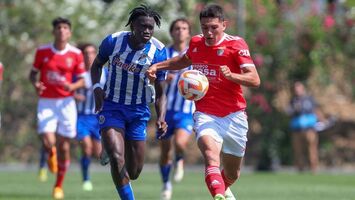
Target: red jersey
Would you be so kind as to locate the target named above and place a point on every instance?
(57, 68)
(223, 96)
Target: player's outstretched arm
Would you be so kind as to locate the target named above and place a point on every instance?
(175, 63)
(249, 76)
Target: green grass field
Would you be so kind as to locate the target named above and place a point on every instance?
(24, 185)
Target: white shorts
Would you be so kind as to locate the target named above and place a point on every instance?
(57, 116)
(230, 131)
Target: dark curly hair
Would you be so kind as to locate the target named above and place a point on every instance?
(143, 10)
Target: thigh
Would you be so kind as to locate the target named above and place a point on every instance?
(113, 141)
(210, 149)
(311, 138)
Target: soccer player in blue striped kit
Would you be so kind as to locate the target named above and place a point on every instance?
(87, 125)
(178, 115)
(123, 102)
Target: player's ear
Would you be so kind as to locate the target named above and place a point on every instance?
(224, 24)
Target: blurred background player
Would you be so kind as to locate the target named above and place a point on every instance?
(179, 113)
(220, 120)
(57, 64)
(123, 102)
(304, 113)
(88, 126)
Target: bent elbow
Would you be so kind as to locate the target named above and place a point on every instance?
(256, 83)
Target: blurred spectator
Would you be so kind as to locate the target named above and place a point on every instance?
(304, 110)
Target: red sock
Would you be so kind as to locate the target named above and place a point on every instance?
(63, 166)
(214, 180)
(227, 182)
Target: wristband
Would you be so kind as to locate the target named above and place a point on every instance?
(97, 85)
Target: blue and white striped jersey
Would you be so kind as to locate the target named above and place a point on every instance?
(127, 83)
(176, 102)
(87, 107)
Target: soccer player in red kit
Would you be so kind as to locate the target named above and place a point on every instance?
(220, 120)
(57, 64)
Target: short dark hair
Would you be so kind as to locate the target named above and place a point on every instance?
(61, 20)
(179, 20)
(143, 10)
(83, 46)
(212, 11)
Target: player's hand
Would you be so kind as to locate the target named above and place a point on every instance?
(39, 86)
(226, 72)
(68, 87)
(151, 73)
(99, 95)
(162, 127)
(79, 97)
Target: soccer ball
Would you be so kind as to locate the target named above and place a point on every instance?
(193, 85)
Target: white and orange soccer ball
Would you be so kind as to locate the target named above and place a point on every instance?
(193, 85)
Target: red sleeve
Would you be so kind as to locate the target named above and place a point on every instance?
(188, 52)
(242, 54)
(37, 63)
(80, 66)
(192, 45)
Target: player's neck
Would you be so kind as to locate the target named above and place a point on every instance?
(60, 45)
(179, 46)
(135, 44)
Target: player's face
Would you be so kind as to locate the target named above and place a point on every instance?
(62, 32)
(212, 29)
(89, 56)
(180, 32)
(143, 29)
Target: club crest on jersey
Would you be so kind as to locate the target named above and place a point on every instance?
(69, 62)
(101, 119)
(194, 50)
(220, 52)
(142, 60)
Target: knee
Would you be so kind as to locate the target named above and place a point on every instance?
(233, 176)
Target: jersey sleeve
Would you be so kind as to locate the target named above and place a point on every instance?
(106, 48)
(191, 47)
(37, 63)
(242, 54)
(160, 56)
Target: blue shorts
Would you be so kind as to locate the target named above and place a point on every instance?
(303, 122)
(176, 120)
(87, 125)
(132, 119)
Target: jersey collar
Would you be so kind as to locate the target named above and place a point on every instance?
(61, 52)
